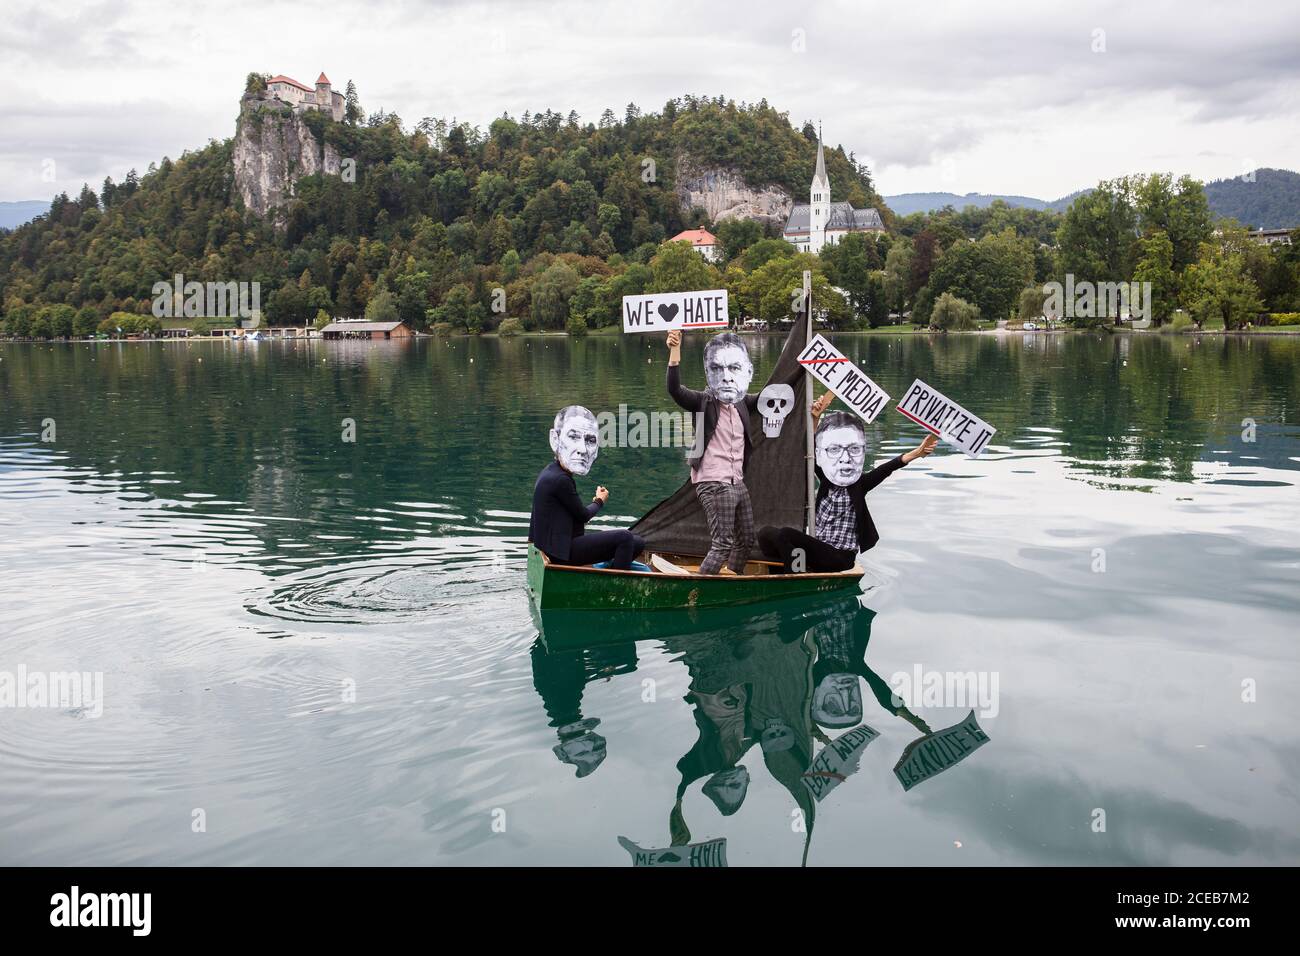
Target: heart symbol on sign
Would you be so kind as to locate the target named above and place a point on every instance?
(668, 312)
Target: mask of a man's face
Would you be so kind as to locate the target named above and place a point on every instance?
(729, 372)
(837, 701)
(727, 789)
(586, 752)
(840, 454)
(776, 737)
(576, 443)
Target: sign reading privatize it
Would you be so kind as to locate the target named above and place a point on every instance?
(665, 311)
(934, 753)
(931, 409)
(850, 384)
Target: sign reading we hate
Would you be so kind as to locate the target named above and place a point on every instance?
(665, 311)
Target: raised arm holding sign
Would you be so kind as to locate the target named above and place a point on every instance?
(853, 386)
(931, 409)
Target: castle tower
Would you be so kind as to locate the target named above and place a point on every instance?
(819, 205)
(323, 97)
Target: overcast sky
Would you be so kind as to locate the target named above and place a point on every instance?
(1035, 98)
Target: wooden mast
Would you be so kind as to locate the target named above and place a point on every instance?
(811, 518)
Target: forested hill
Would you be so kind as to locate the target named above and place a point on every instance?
(1265, 199)
(431, 208)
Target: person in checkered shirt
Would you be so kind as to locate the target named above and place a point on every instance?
(843, 524)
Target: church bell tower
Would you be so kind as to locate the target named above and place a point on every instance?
(819, 202)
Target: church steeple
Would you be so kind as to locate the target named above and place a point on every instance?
(819, 177)
(819, 205)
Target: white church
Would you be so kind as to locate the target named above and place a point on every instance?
(822, 222)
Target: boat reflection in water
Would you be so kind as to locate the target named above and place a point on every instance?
(785, 677)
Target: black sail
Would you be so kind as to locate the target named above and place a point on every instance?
(776, 478)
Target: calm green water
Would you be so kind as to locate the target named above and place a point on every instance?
(327, 648)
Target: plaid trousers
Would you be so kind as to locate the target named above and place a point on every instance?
(731, 525)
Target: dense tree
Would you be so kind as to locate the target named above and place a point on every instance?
(774, 291)
(1098, 234)
(988, 273)
(737, 235)
(677, 267)
(764, 251)
(1218, 286)
(953, 314)
(1156, 266)
(898, 270)
(382, 308)
(849, 264)
(551, 293)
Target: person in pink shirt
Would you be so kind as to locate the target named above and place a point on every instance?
(718, 462)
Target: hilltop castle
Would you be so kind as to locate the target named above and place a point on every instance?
(822, 222)
(303, 98)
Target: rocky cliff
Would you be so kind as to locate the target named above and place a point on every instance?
(274, 148)
(724, 195)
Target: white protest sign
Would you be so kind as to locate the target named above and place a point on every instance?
(934, 753)
(711, 853)
(833, 369)
(665, 311)
(838, 761)
(931, 409)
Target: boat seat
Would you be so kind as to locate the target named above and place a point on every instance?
(636, 566)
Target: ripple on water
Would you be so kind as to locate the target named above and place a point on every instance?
(385, 591)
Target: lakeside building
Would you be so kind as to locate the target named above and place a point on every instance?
(702, 241)
(366, 330)
(821, 222)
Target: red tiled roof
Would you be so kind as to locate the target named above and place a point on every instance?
(696, 237)
(322, 78)
(292, 82)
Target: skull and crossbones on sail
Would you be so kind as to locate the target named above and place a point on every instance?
(775, 403)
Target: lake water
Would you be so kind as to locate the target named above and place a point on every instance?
(317, 651)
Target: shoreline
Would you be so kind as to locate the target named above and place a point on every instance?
(1109, 330)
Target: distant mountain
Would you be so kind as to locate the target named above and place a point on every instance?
(14, 214)
(1062, 204)
(907, 203)
(1272, 201)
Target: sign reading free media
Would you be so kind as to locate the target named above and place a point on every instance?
(665, 311)
(850, 384)
(931, 409)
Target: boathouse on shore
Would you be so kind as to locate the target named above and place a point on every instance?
(366, 330)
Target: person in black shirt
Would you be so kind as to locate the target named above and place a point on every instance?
(559, 515)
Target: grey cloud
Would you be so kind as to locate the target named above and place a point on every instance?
(906, 87)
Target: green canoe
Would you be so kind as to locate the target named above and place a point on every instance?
(556, 586)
